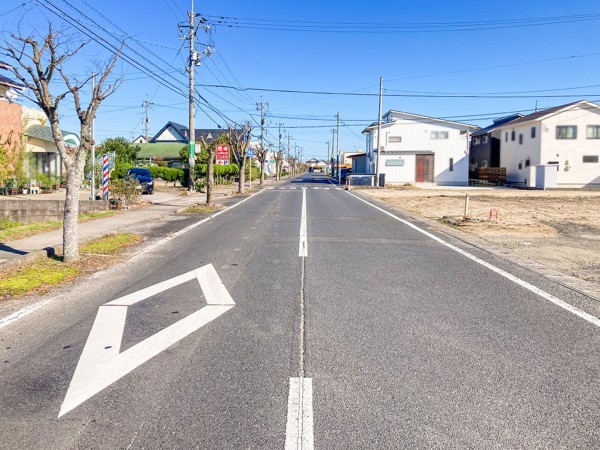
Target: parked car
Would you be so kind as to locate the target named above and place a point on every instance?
(143, 177)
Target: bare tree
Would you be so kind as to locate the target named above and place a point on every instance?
(239, 141)
(278, 164)
(210, 171)
(40, 61)
(261, 154)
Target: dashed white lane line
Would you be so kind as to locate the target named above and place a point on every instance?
(551, 298)
(299, 429)
(303, 245)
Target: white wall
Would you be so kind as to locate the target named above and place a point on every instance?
(572, 171)
(416, 134)
(545, 148)
(515, 156)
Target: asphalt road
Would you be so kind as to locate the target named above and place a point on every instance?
(380, 336)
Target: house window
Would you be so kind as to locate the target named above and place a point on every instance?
(520, 138)
(451, 165)
(593, 132)
(484, 139)
(394, 139)
(554, 163)
(476, 141)
(532, 132)
(590, 158)
(443, 135)
(513, 134)
(527, 162)
(566, 132)
(506, 137)
(435, 135)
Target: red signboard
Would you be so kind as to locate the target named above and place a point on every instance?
(222, 154)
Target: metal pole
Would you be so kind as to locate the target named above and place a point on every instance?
(262, 143)
(192, 137)
(338, 149)
(332, 146)
(379, 132)
(93, 190)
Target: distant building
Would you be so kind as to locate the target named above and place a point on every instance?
(419, 149)
(566, 136)
(484, 151)
(174, 132)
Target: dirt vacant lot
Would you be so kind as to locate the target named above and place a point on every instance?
(557, 228)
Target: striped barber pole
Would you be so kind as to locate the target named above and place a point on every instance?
(105, 176)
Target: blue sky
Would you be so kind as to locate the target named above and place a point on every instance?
(533, 52)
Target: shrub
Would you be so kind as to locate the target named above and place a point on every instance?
(124, 191)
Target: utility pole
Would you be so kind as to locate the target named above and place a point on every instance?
(279, 157)
(93, 187)
(192, 126)
(332, 151)
(379, 133)
(288, 156)
(262, 141)
(146, 121)
(328, 160)
(193, 61)
(338, 150)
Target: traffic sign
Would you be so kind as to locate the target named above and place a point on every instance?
(222, 154)
(250, 153)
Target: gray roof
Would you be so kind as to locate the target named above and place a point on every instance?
(497, 123)
(45, 133)
(13, 84)
(208, 134)
(545, 112)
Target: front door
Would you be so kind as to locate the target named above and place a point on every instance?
(424, 169)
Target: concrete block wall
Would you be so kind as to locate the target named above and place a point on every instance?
(28, 211)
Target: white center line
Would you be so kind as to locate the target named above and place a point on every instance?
(303, 246)
(299, 429)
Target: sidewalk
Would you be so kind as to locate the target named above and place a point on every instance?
(162, 204)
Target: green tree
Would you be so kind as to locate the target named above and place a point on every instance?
(124, 150)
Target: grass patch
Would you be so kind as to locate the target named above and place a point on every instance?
(34, 277)
(201, 209)
(10, 231)
(39, 276)
(110, 245)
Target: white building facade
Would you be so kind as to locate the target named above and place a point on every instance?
(566, 136)
(419, 149)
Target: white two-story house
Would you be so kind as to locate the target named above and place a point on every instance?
(419, 149)
(566, 136)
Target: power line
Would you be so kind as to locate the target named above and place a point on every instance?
(365, 94)
(398, 27)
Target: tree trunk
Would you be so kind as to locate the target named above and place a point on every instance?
(241, 188)
(210, 178)
(262, 172)
(70, 231)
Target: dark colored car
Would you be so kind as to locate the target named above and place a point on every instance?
(143, 177)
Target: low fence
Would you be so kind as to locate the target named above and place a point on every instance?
(38, 210)
(360, 180)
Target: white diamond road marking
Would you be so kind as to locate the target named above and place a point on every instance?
(101, 363)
